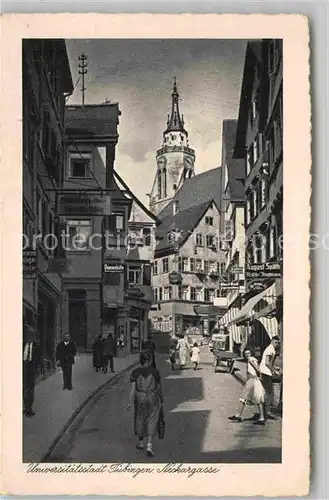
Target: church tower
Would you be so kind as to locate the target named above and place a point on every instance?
(175, 160)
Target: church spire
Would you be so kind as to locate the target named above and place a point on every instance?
(175, 121)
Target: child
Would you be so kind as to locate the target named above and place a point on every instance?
(172, 356)
(195, 358)
(253, 392)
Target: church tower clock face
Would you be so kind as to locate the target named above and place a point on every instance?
(175, 159)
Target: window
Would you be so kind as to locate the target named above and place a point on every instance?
(164, 176)
(192, 293)
(209, 221)
(117, 222)
(165, 265)
(155, 267)
(185, 264)
(147, 236)
(160, 294)
(248, 211)
(79, 232)
(206, 295)
(159, 185)
(212, 267)
(198, 265)
(180, 264)
(134, 275)
(211, 294)
(192, 265)
(210, 239)
(206, 267)
(273, 242)
(79, 165)
(180, 291)
(249, 161)
(222, 268)
(199, 294)
(185, 293)
(155, 294)
(199, 240)
(167, 293)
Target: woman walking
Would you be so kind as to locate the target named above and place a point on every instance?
(182, 347)
(253, 392)
(195, 358)
(98, 353)
(146, 395)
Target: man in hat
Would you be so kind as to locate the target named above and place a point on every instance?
(31, 365)
(65, 354)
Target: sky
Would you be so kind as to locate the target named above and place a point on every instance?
(138, 74)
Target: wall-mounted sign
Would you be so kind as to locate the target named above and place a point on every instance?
(229, 286)
(113, 268)
(29, 263)
(175, 278)
(83, 203)
(266, 271)
(236, 270)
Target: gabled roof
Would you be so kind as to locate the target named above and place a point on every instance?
(92, 120)
(134, 197)
(183, 222)
(199, 189)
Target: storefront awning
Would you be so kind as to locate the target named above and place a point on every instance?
(270, 325)
(248, 310)
(235, 331)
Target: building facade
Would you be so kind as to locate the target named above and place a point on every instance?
(188, 262)
(46, 84)
(259, 143)
(175, 159)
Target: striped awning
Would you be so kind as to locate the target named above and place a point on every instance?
(234, 330)
(248, 310)
(271, 325)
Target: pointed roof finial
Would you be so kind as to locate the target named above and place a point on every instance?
(175, 121)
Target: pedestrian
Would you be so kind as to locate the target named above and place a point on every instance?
(147, 397)
(172, 355)
(31, 365)
(65, 354)
(268, 370)
(182, 346)
(98, 348)
(149, 345)
(253, 392)
(195, 357)
(109, 351)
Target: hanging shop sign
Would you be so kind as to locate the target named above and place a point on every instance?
(83, 203)
(113, 268)
(175, 278)
(256, 286)
(29, 263)
(266, 271)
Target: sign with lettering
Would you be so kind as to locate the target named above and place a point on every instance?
(113, 268)
(229, 286)
(266, 271)
(29, 263)
(83, 203)
(236, 270)
(175, 278)
(256, 286)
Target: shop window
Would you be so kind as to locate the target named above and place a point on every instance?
(79, 165)
(134, 275)
(165, 265)
(193, 293)
(209, 221)
(78, 232)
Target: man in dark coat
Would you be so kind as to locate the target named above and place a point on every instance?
(65, 353)
(98, 348)
(109, 351)
(31, 365)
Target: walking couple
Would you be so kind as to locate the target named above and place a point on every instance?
(258, 390)
(104, 351)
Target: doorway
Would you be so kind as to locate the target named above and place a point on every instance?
(78, 318)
